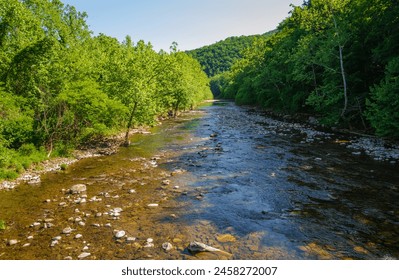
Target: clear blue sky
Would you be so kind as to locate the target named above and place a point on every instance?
(191, 23)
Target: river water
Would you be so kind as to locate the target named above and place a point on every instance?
(226, 176)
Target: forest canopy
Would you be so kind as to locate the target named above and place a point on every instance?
(60, 86)
(335, 59)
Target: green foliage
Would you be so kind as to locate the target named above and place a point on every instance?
(2, 225)
(383, 105)
(61, 87)
(326, 59)
(220, 57)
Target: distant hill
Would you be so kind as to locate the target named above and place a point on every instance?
(219, 57)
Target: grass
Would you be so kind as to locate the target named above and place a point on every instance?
(2, 225)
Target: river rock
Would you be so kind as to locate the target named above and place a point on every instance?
(165, 182)
(77, 236)
(84, 255)
(167, 246)
(120, 234)
(196, 247)
(12, 242)
(67, 230)
(153, 205)
(224, 238)
(75, 189)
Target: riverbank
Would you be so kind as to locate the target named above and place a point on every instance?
(105, 146)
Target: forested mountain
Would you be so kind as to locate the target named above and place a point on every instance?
(60, 85)
(219, 57)
(336, 59)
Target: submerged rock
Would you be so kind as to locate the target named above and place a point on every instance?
(196, 247)
(84, 255)
(75, 189)
(224, 238)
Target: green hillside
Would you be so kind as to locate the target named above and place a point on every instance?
(219, 57)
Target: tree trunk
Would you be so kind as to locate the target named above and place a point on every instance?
(129, 124)
(343, 81)
(341, 61)
(176, 108)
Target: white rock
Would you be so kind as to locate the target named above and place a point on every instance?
(67, 230)
(131, 239)
(150, 240)
(117, 210)
(78, 188)
(85, 248)
(84, 255)
(57, 238)
(120, 234)
(82, 224)
(26, 245)
(108, 225)
(30, 237)
(53, 243)
(77, 236)
(167, 246)
(12, 242)
(132, 191)
(153, 205)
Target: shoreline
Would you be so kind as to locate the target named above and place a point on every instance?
(106, 146)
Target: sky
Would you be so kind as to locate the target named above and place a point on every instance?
(190, 23)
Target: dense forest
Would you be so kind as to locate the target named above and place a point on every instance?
(61, 86)
(335, 59)
(219, 57)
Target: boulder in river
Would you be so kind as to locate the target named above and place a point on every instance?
(75, 189)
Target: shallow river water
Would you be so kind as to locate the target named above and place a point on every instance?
(225, 176)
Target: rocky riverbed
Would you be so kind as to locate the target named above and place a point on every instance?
(221, 183)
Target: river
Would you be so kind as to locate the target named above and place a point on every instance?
(226, 176)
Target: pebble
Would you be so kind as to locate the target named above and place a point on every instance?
(95, 225)
(62, 204)
(53, 243)
(30, 237)
(167, 246)
(67, 230)
(57, 238)
(85, 248)
(26, 245)
(153, 205)
(75, 189)
(84, 255)
(120, 234)
(82, 224)
(12, 242)
(132, 191)
(165, 182)
(150, 240)
(108, 225)
(69, 258)
(77, 236)
(176, 187)
(35, 224)
(131, 239)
